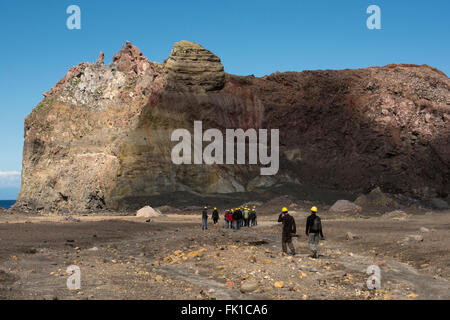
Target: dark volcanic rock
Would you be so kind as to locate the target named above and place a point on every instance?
(100, 139)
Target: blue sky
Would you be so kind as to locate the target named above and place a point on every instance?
(251, 37)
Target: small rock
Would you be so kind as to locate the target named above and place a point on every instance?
(417, 238)
(351, 236)
(424, 230)
(278, 284)
(248, 286)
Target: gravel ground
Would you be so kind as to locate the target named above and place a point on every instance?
(170, 257)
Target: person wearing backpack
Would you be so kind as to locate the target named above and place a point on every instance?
(313, 230)
(288, 230)
(239, 217)
(252, 217)
(215, 216)
(255, 220)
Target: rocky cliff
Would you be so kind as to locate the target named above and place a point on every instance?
(100, 139)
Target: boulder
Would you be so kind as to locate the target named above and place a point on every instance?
(345, 206)
(439, 204)
(396, 214)
(148, 212)
(376, 198)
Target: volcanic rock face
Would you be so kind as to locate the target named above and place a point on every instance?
(101, 138)
(193, 68)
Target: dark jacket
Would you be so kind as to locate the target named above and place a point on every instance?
(215, 215)
(289, 227)
(205, 214)
(309, 224)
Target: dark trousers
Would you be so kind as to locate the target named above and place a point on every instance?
(286, 241)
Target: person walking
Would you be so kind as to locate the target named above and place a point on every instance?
(255, 220)
(288, 230)
(205, 218)
(238, 218)
(228, 219)
(246, 217)
(313, 230)
(215, 216)
(234, 219)
(252, 217)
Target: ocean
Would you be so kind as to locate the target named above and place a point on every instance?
(7, 203)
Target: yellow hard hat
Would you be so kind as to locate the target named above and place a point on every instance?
(254, 206)
(205, 207)
(215, 208)
(253, 209)
(314, 209)
(284, 209)
(232, 210)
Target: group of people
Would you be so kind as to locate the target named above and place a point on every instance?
(234, 218)
(246, 217)
(241, 217)
(313, 231)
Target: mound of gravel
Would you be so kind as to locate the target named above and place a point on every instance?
(148, 212)
(345, 206)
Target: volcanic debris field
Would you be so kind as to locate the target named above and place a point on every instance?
(170, 257)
